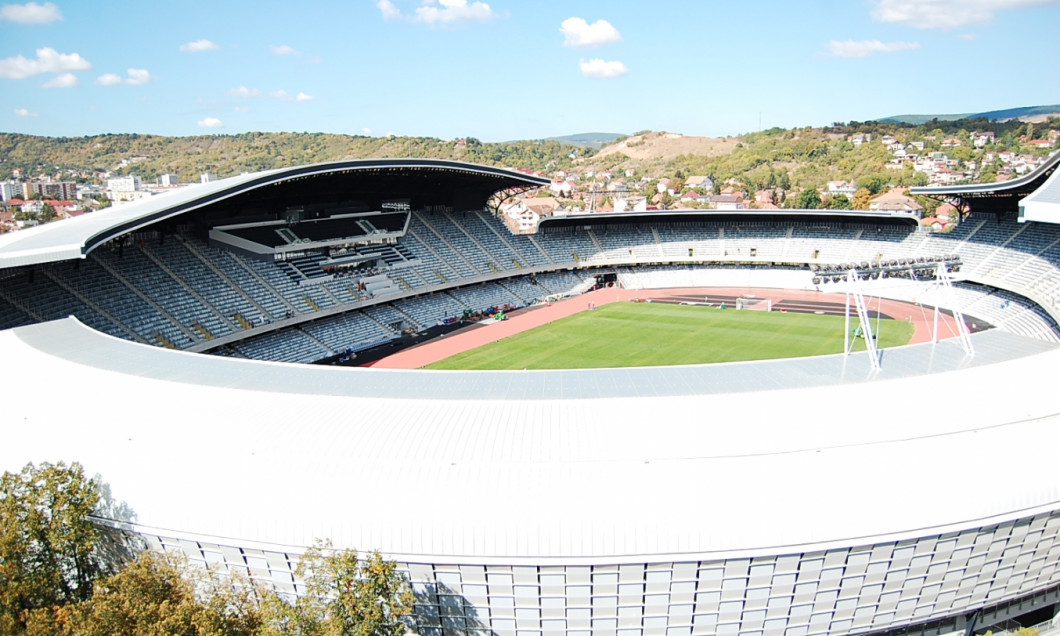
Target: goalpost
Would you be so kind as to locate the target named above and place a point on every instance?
(757, 304)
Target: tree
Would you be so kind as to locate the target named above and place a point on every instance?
(962, 153)
(50, 553)
(344, 595)
(862, 198)
(47, 213)
(839, 202)
(874, 183)
(809, 199)
(157, 594)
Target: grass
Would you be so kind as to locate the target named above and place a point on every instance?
(656, 334)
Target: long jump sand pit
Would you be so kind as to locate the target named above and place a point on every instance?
(525, 319)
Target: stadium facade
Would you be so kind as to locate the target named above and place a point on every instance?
(811, 496)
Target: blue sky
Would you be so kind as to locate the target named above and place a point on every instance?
(513, 69)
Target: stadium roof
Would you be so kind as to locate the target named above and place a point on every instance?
(542, 466)
(775, 215)
(1044, 203)
(998, 197)
(422, 181)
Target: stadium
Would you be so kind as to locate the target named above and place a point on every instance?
(167, 345)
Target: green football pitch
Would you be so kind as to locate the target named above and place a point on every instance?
(657, 334)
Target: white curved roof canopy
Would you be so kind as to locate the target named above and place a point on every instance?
(74, 238)
(1043, 204)
(539, 467)
(1012, 185)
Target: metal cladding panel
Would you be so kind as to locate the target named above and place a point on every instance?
(587, 474)
(921, 582)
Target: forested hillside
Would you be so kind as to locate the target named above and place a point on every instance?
(794, 158)
(226, 155)
(810, 157)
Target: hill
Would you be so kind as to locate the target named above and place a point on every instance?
(594, 140)
(651, 150)
(1025, 113)
(227, 155)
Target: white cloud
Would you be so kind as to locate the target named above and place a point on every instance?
(454, 11)
(199, 46)
(48, 61)
(210, 122)
(579, 34)
(244, 92)
(23, 112)
(283, 49)
(138, 76)
(968, 37)
(946, 14)
(602, 68)
(389, 11)
(134, 77)
(287, 97)
(66, 80)
(241, 109)
(31, 13)
(439, 12)
(865, 48)
(366, 131)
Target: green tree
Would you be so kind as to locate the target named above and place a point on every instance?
(344, 595)
(839, 202)
(47, 213)
(50, 553)
(157, 594)
(874, 183)
(809, 199)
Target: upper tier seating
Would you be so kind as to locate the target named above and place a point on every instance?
(179, 292)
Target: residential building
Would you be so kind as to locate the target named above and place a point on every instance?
(700, 182)
(50, 189)
(10, 190)
(842, 187)
(128, 183)
(982, 138)
(896, 200)
(727, 201)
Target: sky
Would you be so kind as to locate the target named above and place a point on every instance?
(502, 70)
